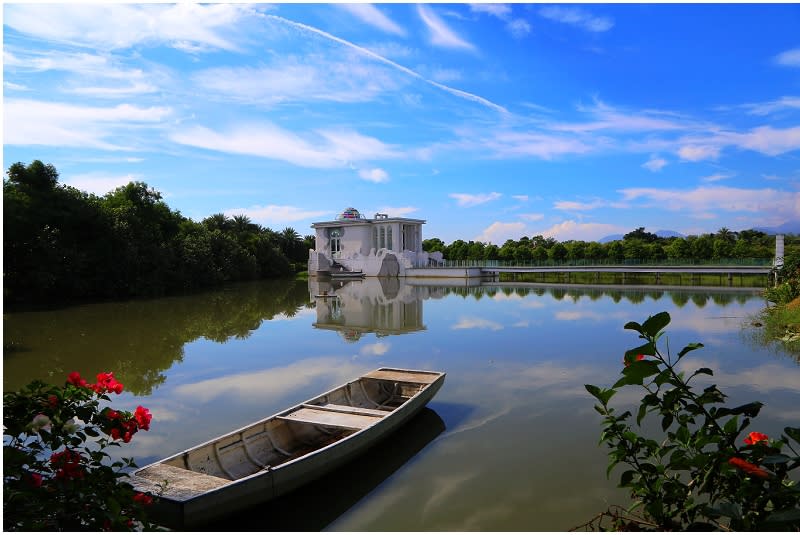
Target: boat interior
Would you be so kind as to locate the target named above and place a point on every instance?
(295, 432)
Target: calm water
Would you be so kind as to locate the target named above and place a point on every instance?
(509, 443)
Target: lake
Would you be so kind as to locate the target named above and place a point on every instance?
(510, 443)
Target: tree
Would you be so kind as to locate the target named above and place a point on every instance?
(36, 176)
(640, 234)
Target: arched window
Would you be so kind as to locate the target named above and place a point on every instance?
(336, 243)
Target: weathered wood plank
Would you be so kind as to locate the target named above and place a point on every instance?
(404, 376)
(336, 419)
(349, 409)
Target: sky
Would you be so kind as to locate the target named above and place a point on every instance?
(488, 121)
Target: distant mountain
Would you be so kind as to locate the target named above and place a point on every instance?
(659, 233)
(669, 234)
(790, 227)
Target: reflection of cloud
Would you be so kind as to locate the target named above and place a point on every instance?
(469, 426)
(270, 383)
(446, 486)
(765, 378)
(377, 349)
(575, 315)
(477, 323)
(522, 323)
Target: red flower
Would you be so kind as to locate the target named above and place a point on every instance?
(638, 357)
(143, 417)
(52, 400)
(74, 378)
(748, 468)
(67, 464)
(106, 383)
(35, 479)
(142, 498)
(755, 437)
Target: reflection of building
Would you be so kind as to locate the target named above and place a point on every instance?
(383, 246)
(382, 306)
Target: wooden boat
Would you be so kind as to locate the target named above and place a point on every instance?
(280, 453)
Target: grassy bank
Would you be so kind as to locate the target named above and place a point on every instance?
(670, 279)
(781, 324)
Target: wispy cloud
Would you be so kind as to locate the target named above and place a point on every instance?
(789, 58)
(715, 177)
(522, 198)
(99, 183)
(477, 323)
(574, 230)
(376, 175)
(467, 199)
(374, 17)
(517, 27)
(440, 33)
(183, 26)
(696, 153)
(499, 232)
(532, 217)
(318, 149)
(577, 17)
(655, 163)
(766, 108)
(573, 206)
(457, 92)
(31, 122)
(273, 214)
(702, 199)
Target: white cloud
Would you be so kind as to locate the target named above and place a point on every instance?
(376, 175)
(573, 230)
(14, 87)
(501, 11)
(440, 33)
(695, 153)
(375, 350)
(453, 91)
(477, 323)
(702, 199)
(31, 122)
(297, 79)
(789, 58)
(498, 232)
(99, 183)
(532, 217)
(768, 140)
(523, 198)
(579, 206)
(467, 199)
(374, 17)
(715, 177)
(505, 144)
(765, 108)
(577, 17)
(655, 163)
(275, 214)
(321, 149)
(118, 26)
(519, 28)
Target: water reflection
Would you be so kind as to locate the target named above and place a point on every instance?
(314, 506)
(137, 340)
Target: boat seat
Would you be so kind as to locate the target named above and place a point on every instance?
(318, 415)
(180, 480)
(349, 409)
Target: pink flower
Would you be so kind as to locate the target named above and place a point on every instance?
(142, 498)
(35, 479)
(755, 437)
(106, 383)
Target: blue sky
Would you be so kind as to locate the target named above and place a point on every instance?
(490, 121)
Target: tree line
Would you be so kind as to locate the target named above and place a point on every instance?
(63, 244)
(638, 245)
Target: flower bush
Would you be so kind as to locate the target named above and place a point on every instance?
(57, 475)
(698, 474)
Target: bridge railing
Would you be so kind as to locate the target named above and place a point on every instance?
(719, 262)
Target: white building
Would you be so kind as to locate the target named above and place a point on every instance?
(382, 246)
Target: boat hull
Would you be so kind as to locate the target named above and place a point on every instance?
(352, 427)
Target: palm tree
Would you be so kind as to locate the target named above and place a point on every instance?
(216, 222)
(726, 234)
(241, 224)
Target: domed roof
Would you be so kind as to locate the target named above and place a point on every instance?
(349, 214)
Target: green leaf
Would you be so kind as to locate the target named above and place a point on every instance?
(666, 421)
(654, 324)
(646, 349)
(626, 478)
(635, 373)
(690, 347)
(633, 326)
(732, 425)
(750, 409)
(776, 459)
(642, 412)
(793, 433)
(603, 394)
(704, 371)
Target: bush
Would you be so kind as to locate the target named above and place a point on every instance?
(699, 475)
(57, 475)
